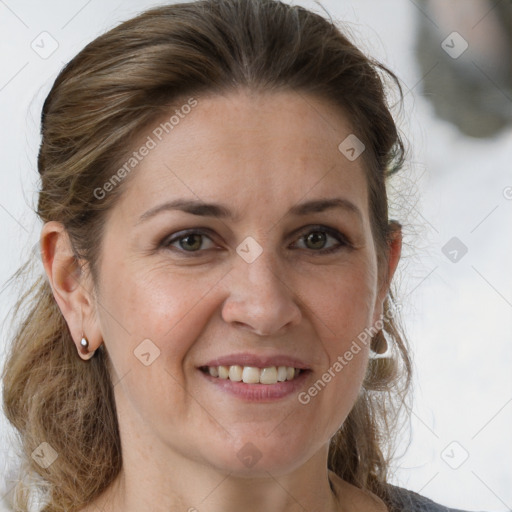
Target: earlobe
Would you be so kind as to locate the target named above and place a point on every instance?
(69, 286)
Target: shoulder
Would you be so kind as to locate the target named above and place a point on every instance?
(409, 501)
(356, 498)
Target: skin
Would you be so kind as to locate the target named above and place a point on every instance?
(258, 154)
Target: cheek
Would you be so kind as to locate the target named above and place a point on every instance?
(163, 306)
(344, 304)
(150, 323)
(344, 315)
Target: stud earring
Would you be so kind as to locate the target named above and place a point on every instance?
(84, 343)
(84, 349)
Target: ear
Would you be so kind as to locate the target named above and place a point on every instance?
(387, 271)
(71, 286)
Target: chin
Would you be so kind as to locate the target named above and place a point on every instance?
(253, 456)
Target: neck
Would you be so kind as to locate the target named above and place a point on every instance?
(192, 487)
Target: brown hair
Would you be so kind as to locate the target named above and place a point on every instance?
(104, 98)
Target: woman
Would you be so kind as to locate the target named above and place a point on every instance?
(217, 329)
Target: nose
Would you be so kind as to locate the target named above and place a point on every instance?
(260, 299)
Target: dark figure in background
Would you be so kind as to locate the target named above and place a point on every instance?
(464, 49)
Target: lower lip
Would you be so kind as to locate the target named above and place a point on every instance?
(259, 392)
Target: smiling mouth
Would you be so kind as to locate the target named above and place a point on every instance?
(252, 374)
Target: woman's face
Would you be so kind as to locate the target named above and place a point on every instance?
(241, 283)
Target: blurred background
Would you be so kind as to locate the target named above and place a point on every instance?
(454, 199)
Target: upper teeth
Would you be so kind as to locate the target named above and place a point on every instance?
(254, 375)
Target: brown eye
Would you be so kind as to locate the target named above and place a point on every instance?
(190, 242)
(316, 239)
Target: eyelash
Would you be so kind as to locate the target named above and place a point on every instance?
(344, 243)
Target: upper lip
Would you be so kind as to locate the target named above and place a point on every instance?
(259, 361)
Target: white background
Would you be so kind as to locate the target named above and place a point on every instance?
(458, 315)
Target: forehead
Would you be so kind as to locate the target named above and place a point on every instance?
(252, 151)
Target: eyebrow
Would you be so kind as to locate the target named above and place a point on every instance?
(220, 211)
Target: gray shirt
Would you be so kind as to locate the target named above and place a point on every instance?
(409, 501)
